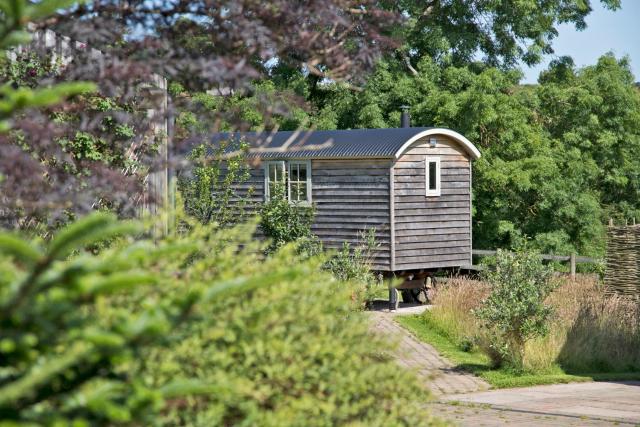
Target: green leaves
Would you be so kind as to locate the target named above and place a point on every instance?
(50, 339)
(24, 252)
(503, 33)
(282, 221)
(13, 100)
(92, 229)
(515, 311)
(44, 9)
(14, 16)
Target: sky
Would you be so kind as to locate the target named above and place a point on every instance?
(616, 31)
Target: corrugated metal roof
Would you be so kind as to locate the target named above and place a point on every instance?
(353, 143)
(333, 144)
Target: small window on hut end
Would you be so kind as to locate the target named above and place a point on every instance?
(432, 176)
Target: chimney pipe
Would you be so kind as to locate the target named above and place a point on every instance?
(405, 118)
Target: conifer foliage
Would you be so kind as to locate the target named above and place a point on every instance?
(59, 360)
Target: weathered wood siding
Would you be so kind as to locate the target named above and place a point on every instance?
(352, 196)
(432, 232)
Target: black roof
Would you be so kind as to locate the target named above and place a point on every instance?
(327, 144)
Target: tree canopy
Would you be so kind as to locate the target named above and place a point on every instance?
(501, 33)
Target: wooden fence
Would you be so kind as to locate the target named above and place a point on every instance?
(572, 260)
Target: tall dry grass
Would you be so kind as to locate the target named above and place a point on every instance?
(591, 332)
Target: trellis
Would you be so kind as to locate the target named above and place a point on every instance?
(622, 274)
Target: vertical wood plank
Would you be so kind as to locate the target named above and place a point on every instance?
(470, 213)
(392, 218)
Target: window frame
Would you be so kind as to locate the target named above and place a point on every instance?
(267, 191)
(437, 191)
(285, 166)
(307, 164)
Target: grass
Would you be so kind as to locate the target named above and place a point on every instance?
(476, 362)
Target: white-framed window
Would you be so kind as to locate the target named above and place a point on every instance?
(432, 176)
(274, 176)
(294, 176)
(299, 181)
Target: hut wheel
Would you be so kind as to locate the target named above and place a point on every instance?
(417, 296)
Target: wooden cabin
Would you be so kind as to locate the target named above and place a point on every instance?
(412, 184)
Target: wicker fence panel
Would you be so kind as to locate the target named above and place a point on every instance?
(622, 274)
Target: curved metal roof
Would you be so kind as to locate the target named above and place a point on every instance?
(337, 144)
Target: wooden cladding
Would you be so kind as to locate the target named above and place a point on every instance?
(432, 232)
(413, 231)
(352, 197)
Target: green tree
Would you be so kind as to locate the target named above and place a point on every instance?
(295, 349)
(60, 362)
(594, 114)
(503, 32)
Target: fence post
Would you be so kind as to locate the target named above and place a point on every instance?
(572, 266)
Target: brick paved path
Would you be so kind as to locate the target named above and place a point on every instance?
(461, 399)
(465, 415)
(424, 360)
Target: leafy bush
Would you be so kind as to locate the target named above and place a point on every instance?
(59, 362)
(210, 190)
(590, 332)
(354, 264)
(291, 352)
(83, 341)
(283, 222)
(515, 310)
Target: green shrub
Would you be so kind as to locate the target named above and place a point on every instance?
(59, 361)
(353, 264)
(515, 310)
(220, 335)
(210, 190)
(292, 351)
(283, 222)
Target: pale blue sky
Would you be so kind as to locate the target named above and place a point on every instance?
(606, 31)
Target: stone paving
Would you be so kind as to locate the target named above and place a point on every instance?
(598, 401)
(465, 400)
(465, 415)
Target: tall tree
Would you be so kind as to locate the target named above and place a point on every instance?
(501, 33)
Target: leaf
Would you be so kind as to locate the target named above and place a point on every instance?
(119, 282)
(19, 249)
(102, 338)
(190, 387)
(40, 374)
(91, 229)
(47, 8)
(15, 38)
(49, 96)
